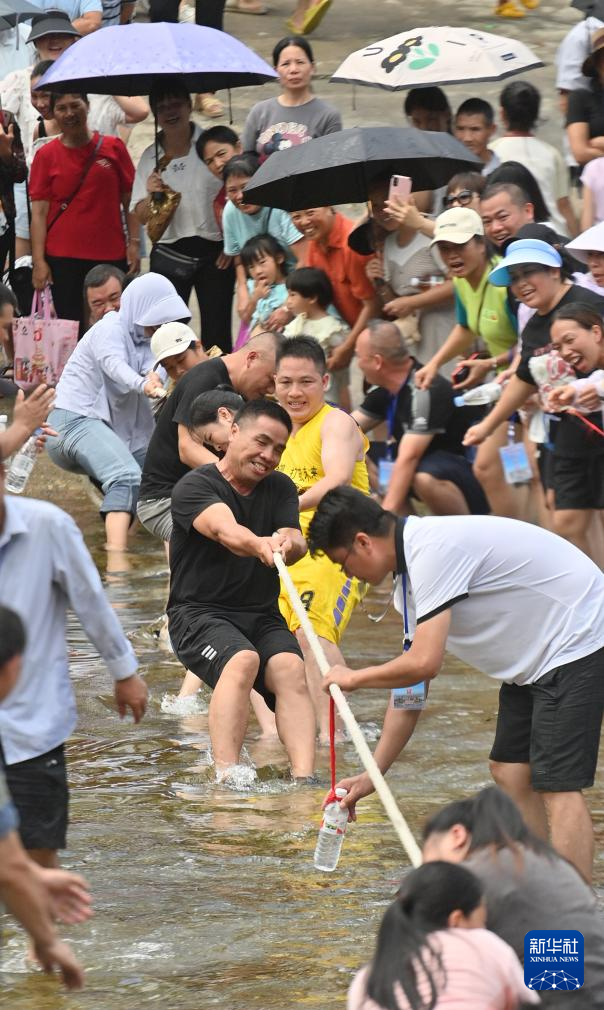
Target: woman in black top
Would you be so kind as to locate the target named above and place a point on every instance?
(535, 274)
(585, 115)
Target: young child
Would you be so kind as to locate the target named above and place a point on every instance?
(263, 260)
(242, 221)
(215, 147)
(310, 300)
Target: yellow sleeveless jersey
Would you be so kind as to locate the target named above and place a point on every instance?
(302, 462)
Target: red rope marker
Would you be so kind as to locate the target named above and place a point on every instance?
(576, 413)
(332, 750)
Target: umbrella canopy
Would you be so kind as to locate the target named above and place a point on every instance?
(12, 11)
(339, 168)
(591, 8)
(424, 56)
(127, 59)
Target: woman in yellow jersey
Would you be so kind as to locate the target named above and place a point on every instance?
(483, 311)
(325, 449)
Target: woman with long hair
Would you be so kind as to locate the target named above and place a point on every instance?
(527, 885)
(433, 950)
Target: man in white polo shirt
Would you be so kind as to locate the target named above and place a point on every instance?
(517, 602)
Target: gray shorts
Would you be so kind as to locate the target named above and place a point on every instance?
(156, 516)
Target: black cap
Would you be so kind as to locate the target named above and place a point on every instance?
(51, 23)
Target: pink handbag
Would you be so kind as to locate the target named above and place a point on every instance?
(42, 343)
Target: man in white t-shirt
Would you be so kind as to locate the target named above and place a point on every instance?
(512, 600)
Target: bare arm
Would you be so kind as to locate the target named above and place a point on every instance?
(218, 523)
(565, 207)
(440, 294)
(514, 395)
(191, 452)
(88, 23)
(420, 663)
(26, 899)
(341, 448)
(135, 109)
(365, 421)
(584, 147)
(397, 730)
(39, 222)
(411, 449)
(456, 343)
(293, 544)
(27, 416)
(342, 354)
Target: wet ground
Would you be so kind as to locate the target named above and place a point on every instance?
(207, 897)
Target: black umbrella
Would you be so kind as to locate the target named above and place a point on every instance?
(340, 167)
(12, 11)
(591, 8)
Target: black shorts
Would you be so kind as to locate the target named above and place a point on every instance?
(545, 465)
(39, 790)
(443, 465)
(204, 642)
(578, 481)
(554, 725)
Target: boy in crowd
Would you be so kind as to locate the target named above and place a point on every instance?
(475, 127)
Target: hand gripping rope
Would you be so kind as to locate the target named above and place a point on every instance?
(338, 700)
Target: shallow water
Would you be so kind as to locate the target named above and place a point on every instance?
(205, 896)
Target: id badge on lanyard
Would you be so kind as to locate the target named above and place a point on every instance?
(386, 465)
(412, 698)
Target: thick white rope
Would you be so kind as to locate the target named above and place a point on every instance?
(398, 821)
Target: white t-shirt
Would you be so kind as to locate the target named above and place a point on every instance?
(523, 600)
(573, 50)
(194, 215)
(547, 165)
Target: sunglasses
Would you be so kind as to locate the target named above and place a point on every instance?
(463, 198)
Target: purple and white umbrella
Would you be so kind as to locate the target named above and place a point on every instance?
(127, 59)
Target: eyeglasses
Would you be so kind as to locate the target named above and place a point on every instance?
(463, 198)
(343, 563)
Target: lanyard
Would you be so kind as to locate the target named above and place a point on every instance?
(391, 417)
(401, 569)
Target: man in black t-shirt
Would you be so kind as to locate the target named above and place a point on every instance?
(173, 451)
(425, 455)
(224, 619)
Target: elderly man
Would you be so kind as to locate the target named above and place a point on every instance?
(103, 287)
(424, 452)
(510, 599)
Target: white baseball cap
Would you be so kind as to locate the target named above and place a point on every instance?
(171, 338)
(457, 225)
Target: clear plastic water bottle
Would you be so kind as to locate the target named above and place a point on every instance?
(489, 392)
(331, 834)
(22, 466)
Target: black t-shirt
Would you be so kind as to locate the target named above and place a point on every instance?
(163, 466)
(423, 412)
(204, 574)
(536, 335)
(586, 105)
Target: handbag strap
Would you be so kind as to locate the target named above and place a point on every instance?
(85, 172)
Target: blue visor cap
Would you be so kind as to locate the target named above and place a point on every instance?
(521, 253)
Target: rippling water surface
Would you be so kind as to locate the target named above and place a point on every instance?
(205, 896)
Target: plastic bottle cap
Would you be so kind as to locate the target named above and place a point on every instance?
(341, 793)
(459, 401)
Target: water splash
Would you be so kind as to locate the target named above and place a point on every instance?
(237, 777)
(192, 704)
